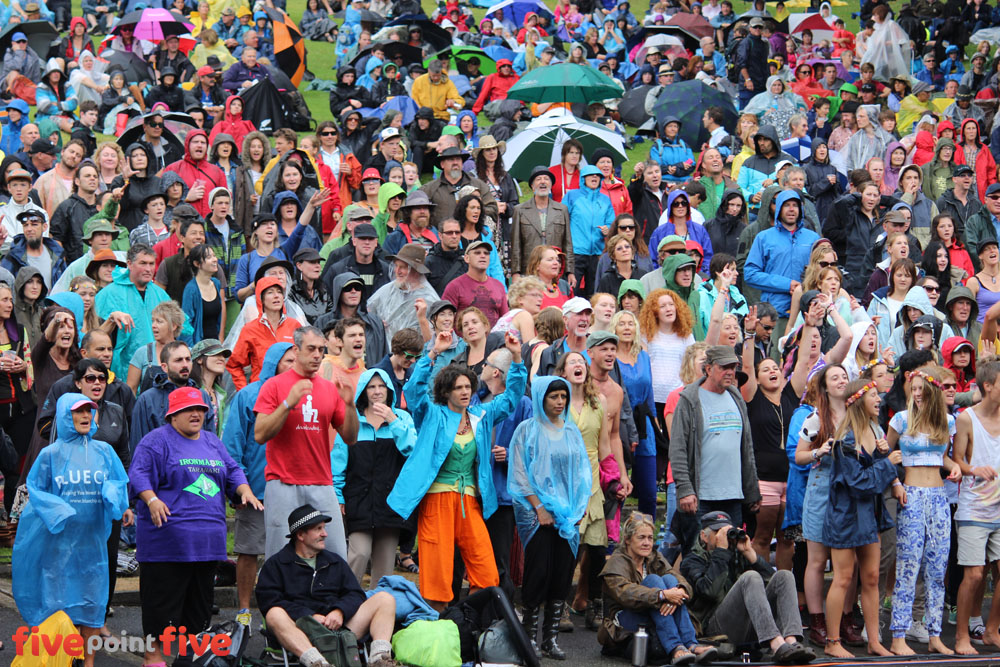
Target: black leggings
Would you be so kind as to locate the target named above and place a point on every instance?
(18, 425)
(116, 532)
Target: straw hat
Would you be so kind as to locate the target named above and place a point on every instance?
(489, 141)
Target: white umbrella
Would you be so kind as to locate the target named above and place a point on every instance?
(814, 23)
(661, 42)
(541, 142)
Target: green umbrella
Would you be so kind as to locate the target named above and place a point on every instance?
(565, 82)
(541, 142)
(459, 55)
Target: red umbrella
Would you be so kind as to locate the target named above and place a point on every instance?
(814, 23)
(693, 26)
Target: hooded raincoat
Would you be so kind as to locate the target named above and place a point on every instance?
(690, 294)
(257, 337)
(77, 487)
(549, 462)
(755, 170)
(192, 171)
(983, 164)
(232, 124)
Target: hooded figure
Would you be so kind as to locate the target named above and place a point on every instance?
(343, 92)
(690, 294)
(902, 334)
(759, 168)
(818, 183)
(672, 153)
(924, 322)
(978, 157)
(388, 85)
(368, 79)
(695, 231)
(922, 209)
(778, 256)
(506, 125)
(972, 329)
(77, 487)
(589, 208)
(138, 187)
(310, 239)
(257, 337)
(549, 462)
(495, 86)
(937, 173)
(863, 146)
(237, 434)
(168, 92)
(890, 177)
(194, 170)
(376, 347)
(965, 377)
(724, 229)
(365, 472)
(776, 109)
(851, 362)
(470, 141)
(232, 124)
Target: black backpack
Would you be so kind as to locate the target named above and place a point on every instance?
(732, 71)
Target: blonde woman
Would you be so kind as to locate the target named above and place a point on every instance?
(525, 301)
(166, 321)
(109, 159)
(746, 128)
(87, 289)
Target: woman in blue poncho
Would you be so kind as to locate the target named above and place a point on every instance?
(76, 488)
(549, 480)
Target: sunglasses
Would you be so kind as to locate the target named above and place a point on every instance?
(352, 288)
(827, 265)
(451, 233)
(675, 252)
(155, 124)
(765, 327)
(949, 385)
(932, 288)
(680, 202)
(410, 355)
(993, 197)
(95, 379)
(328, 133)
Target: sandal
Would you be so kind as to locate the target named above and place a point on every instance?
(681, 656)
(401, 563)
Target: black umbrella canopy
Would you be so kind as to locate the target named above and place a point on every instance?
(135, 133)
(409, 54)
(687, 101)
(136, 69)
(633, 106)
(366, 16)
(40, 36)
(433, 34)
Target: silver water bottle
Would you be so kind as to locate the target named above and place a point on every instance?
(640, 645)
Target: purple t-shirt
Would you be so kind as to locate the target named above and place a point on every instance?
(194, 478)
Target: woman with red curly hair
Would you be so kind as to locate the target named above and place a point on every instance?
(666, 323)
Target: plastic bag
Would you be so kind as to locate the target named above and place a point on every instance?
(495, 645)
(58, 624)
(428, 644)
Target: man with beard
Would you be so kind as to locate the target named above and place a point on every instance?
(67, 222)
(446, 261)
(395, 303)
(32, 248)
(52, 186)
(540, 221)
(175, 360)
(441, 191)
(199, 175)
(417, 226)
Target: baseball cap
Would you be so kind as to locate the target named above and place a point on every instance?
(478, 244)
(388, 133)
(601, 337)
(672, 242)
(19, 37)
(42, 146)
(715, 520)
(206, 70)
(209, 347)
(81, 403)
(371, 173)
(183, 399)
(19, 175)
(576, 305)
(358, 213)
(756, 22)
(868, 88)
(960, 170)
(721, 355)
(992, 190)
(306, 255)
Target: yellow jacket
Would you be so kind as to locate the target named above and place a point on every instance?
(426, 93)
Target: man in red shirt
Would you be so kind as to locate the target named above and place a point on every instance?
(475, 288)
(296, 413)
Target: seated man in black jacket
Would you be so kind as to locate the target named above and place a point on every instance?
(738, 594)
(304, 591)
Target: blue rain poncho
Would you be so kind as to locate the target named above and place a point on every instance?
(76, 488)
(550, 463)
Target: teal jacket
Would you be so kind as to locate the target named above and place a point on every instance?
(121, 295)
(437, 427)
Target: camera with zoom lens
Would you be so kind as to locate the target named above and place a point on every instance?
(735, 534)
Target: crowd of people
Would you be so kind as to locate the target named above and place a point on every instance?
(664, 393)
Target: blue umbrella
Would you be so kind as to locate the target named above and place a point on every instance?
(518, 8)
(401, 103)
(498, 52)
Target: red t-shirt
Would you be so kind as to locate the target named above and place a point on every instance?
(300, 453)
(488, 296)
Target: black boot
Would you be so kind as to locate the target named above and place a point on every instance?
(550, 630)
(595, 614)
(529, 621)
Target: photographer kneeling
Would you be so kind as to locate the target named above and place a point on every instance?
(740, 595)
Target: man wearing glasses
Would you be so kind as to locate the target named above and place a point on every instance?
(670, 245)
(985, 225)
(751, 61)
(164, 152)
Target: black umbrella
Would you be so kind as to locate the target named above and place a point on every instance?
(136, 69)
(175, 128)
(280, 79)
(264, 106)
(687, 101)
(40, 36)
(632, 106)
(433, 34)
(410, 54)
(366, 16)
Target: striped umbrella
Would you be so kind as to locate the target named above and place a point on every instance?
(289, 46)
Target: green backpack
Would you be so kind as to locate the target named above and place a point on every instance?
(428, 644)
(339, 647)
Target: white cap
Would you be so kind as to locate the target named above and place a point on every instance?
(447, 23)
(576, 305)
(388, 133)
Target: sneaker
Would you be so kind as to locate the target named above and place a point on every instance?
(952, 614)
(243, 617)
(918, 632)
(976, 633)
(864, 632)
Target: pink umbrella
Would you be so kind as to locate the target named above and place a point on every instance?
(154, 25)
(187, 42)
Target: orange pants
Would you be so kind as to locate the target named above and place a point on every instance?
(440, 528)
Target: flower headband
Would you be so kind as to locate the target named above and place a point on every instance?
(928, 378)
(872, 364)
(859, 393)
